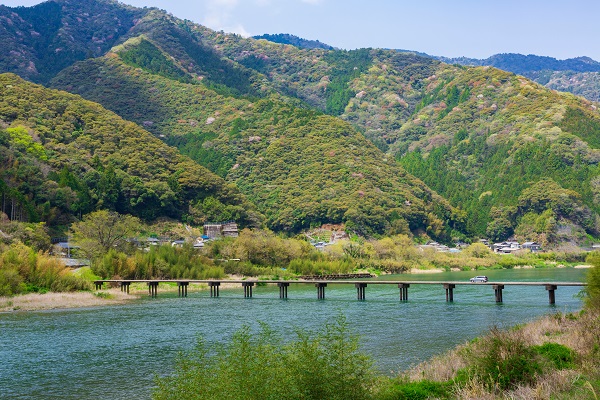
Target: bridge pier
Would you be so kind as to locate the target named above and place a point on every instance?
(153, 288)
(214, 288)
(248, 289)
(321, 290)
(182, 288)
(449, 291)
(125, 286)
(98, 284)
(360, 289)
(551, 296)
(498, 292)
(283, 289)
(403, 291)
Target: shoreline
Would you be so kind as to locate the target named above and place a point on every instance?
(63, 301)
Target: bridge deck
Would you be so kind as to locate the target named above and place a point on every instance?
(344, 282)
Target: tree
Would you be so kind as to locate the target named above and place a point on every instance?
(103, 230)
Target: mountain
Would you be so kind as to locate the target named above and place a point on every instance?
(525, 64)
(41, 40)
(285, 38)
(300, 167)
(580, 76)
(62, 156)
(315, 135)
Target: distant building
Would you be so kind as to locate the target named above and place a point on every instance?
(221, 229)
(533, 246)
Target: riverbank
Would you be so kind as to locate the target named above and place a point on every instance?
(555, 356)
(83, 299)
(52, 301)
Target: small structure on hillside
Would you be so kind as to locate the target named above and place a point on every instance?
(532, 246)
(221, 229)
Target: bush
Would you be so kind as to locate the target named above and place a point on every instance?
(593, 281)
(560, 356)
(420, 390)
(320, 365)
(11, 282)
(504, 360)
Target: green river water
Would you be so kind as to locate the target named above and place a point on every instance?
(115, 352)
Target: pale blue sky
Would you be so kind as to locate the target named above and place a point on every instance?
(471, 28)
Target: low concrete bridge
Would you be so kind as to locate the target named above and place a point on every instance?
(403, 286)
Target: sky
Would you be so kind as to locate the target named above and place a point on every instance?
(452, 28)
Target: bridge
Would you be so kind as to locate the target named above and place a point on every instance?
(361, 286)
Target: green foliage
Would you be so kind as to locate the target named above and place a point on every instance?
(560, 356)
(103, 231)
(285, 38)
(327, 364)
(159, 262)
(347, 66)
(51, 36)
(22, 140)
(147, 56)
(582, 124)
(593, 280)
(417, 390)
(505, 361)
(22, 270)
(94, 160)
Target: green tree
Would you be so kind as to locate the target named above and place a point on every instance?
(102, 231)
(327, 364)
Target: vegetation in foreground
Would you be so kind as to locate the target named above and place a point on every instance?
(555, 357)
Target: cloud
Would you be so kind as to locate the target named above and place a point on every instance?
(218, 13)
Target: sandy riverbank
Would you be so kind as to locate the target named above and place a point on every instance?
(51, 301)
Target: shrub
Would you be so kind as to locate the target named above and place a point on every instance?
(504, 360)
(320, 365)
(559, 355)
(420, 390)
(593, 281)
(10, 282)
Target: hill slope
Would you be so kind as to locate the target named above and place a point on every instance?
(300, 167)
(65, 156)
(39, 41)
(580, 76)
(483, 138)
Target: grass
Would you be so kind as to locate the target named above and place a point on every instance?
(557, 356)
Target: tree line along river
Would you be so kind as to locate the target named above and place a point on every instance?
(115, 352)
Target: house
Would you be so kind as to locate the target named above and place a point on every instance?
(532, 246)
(506, 247)
(221, 229)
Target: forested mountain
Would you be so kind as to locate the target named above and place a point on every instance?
(580, 76)
(300, 167)
(288, 125)
(63, 156)
(285, 38)
(39, 41)
(525, 64)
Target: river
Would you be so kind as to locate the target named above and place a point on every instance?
(115, 352)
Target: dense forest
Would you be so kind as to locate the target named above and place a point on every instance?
(63, 157)
(384, 141)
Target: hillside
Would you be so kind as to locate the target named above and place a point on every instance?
(63, 156)
(580, 76)
(300, 167)
(486, 140)
(284, 38)
(477, 120)
(40, 41)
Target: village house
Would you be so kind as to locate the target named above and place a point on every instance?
(532, 246)
(221, 229)
(506, 247)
